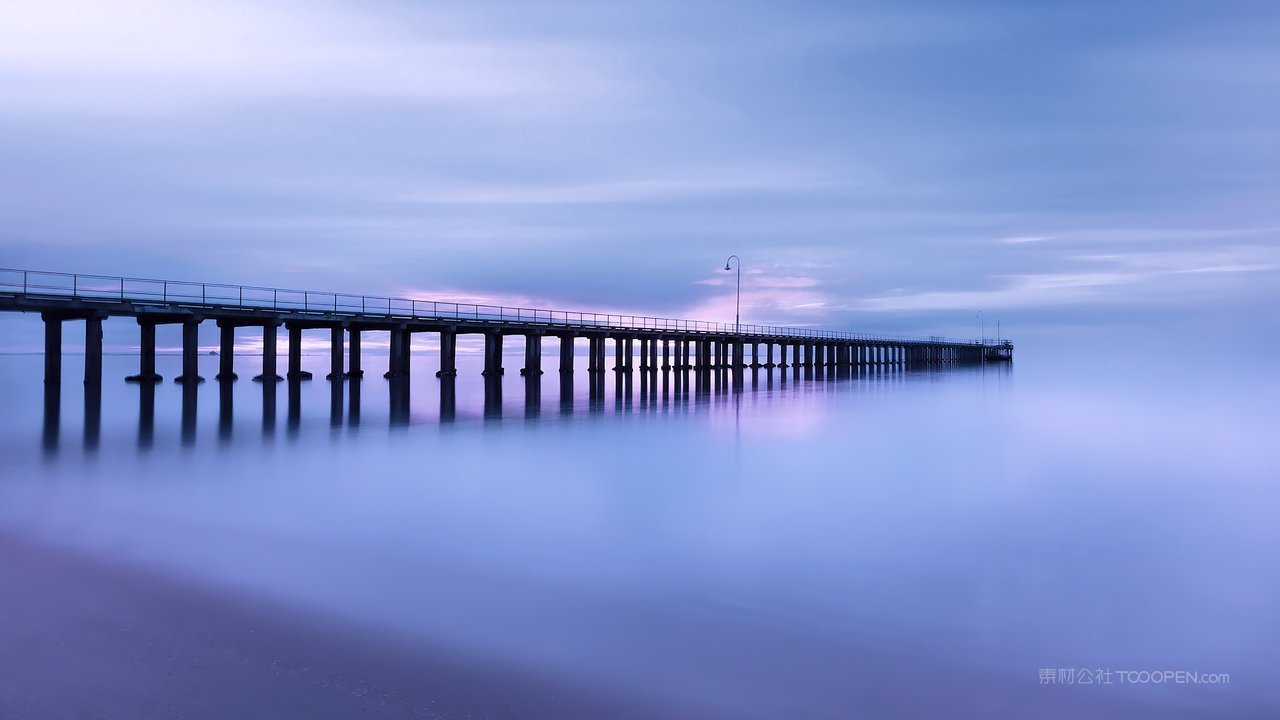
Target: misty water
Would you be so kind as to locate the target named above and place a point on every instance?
(919, 543)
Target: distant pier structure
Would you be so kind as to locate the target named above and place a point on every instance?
(647, 344)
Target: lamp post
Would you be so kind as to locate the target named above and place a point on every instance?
(737, 304)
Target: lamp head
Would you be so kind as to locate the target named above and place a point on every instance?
(726, 264)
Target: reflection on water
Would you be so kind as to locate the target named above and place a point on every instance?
(786, 542)
(574, 391)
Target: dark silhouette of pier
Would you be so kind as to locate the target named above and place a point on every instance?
(712, 352)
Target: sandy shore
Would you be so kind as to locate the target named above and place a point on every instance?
(82, 639)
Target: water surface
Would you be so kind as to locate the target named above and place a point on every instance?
(896, 543)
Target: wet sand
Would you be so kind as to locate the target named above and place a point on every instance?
(83, 639)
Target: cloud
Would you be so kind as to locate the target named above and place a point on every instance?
(622, 191)
(139, 56)
(1032, 290)
(1133, 276)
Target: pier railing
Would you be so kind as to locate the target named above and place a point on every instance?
(72, 286)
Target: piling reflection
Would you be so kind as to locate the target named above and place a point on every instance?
(189, 399)
(293, 409)
(226, 409)
(670, 388)
(146, 414)
(335, 401)
(493, 397)
(398, 389)
(532, 396)
(448, 398)
(92, 414)
(566, 392)
(52, 417)
(268, 408)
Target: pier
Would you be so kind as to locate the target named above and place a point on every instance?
(636, 343)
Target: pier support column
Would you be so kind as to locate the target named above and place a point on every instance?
(190, 353)
(146, 353)
(653, 354)
(595, 354)
(619, 354)
(393, 355)
(52, 349)
(532, 355)
(93, 350)
(226, 351)
(492, 354)
(566, 354)
(335, 353)
(666, 354)
(448, 354)
(354, 371)
(295, 354)
(398, 354)
(268, 357)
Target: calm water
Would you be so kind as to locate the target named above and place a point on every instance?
(901, 544)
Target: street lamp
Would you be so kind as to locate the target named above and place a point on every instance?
(737, 304)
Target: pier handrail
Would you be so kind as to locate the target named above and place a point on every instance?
(77, 286)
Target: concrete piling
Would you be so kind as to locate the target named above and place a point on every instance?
(52, 348)
(268, 355)
(493, 354)
(335, 353)
(190, 353)
(93, 350)
(354, 371)
(226, 351)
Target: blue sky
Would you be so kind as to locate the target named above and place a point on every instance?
(894, 165)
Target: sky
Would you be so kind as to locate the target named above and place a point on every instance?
(1065, 168)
